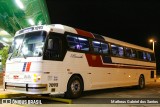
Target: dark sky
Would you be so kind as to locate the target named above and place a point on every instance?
(127, 20)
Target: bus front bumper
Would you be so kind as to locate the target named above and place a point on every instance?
(26, 88)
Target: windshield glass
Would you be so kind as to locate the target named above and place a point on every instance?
(28, 45)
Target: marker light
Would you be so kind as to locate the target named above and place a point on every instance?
(36, 78)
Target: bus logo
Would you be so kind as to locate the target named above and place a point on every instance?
(26, 66)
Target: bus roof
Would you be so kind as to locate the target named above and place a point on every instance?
(59, 28)
(92, 35)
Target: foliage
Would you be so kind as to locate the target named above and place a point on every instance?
(4, 55)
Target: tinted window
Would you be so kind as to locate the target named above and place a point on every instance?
(142, 55)
(84, 44)
(149, 57)
(78, 43)
(54, 48)
(117, 50)
(152, 57)
(105, 48)
(97, 46)
(100, 47)
(131, 53)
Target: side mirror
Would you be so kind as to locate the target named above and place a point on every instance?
(10, 50)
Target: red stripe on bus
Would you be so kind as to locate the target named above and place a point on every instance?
(96, 61)
(84, 33)
(28, 66)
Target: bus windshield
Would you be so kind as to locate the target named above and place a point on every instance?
(28, 45)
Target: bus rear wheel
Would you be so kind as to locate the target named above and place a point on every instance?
(141, 84)
(74, 87)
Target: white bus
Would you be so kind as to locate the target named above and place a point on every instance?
(57, 59)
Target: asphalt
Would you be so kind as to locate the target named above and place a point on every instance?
(151, 91)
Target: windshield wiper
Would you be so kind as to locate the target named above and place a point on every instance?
(14, 52)
(24, 55)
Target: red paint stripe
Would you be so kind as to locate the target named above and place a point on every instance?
(28, 66)
(84, 33)
(95, 61)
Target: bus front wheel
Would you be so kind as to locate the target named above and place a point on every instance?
(74, 87)
(141, 84)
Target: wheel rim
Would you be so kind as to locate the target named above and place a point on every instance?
(141, 82)
(75, 87)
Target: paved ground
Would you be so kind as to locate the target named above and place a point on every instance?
(151, 91)
(100, 97)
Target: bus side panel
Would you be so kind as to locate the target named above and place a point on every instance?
(59, 72)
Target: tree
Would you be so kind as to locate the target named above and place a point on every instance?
(4, 55)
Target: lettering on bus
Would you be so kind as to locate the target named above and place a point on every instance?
(38, 28)
(76, 56)
(53, 84)
(15, 76)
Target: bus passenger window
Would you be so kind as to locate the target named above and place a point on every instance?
(73, 42)
(105, 48)
(100, 47)
(78, 43)
(84, 44)
(130, 53)
(97, 47)
(148, 56)
(134, 53)
(117, 50)
(152, 57)
(142, 55)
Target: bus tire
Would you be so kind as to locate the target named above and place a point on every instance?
(141, 83)
(74, 87)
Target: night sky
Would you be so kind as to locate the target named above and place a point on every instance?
(127, 20)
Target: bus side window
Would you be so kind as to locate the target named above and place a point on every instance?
(144, 56)
(84, 44)
(96, 46)
(105, 48)
(53, 50)
(148, 56)
(130, 53)
(140, 55)
(78, 43)
(73, 42)
(134, 53)
(117, 50)
(152, 57)
(50, 44)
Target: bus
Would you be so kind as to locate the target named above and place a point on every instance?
(58, 59)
